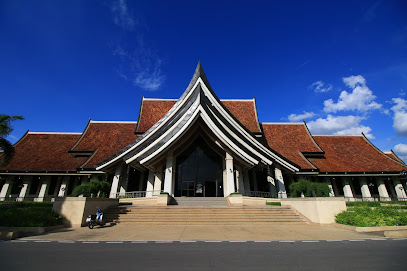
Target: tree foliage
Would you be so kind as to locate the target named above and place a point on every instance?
(309, 189)
(95, 188)
(6, 148)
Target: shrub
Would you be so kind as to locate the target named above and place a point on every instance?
(95, 188)
(273, 203)
(29, 215)
(363, 204)
(321, 189)
(365, 216)
(309, 189)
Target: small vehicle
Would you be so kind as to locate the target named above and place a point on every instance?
(94, 220)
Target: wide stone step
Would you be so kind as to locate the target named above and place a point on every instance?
(203, 215)
(213, 223)
(204, 201)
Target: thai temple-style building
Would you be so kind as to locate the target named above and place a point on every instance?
(199, 146)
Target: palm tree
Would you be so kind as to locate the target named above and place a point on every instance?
(6, 148)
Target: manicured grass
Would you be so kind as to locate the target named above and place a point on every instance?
(372, 214)
(28, 214)
(273, 203)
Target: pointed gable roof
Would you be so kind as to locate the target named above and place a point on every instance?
(103, 139)
(152, 110)
(293, 141)
(198, 101)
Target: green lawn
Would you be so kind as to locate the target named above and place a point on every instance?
(28, 214)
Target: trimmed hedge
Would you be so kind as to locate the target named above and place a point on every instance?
(363, 204)
(309, 189)
(29, 214)
(273, 203)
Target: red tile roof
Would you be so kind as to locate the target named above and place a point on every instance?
(245, 111)
(105, 138)
(290, 140)
(152, 110)
(352, 154)
(44, 152)
(392, 155)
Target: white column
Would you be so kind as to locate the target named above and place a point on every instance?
(229, 174)
(365, 188)
(115, 182)
(382, 189)
(272, 183)
(157, 180)
(240, 181)
(24, 189)
(246, 181)
(150, 184)
(63, 187)
(347, 191)
(254, 175)
(224, 178)
(398, 186)
(44, 188)
(5, 190)
(331, 189)
(280, 181)
(169, 175)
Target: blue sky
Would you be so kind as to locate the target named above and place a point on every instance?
(339, 65)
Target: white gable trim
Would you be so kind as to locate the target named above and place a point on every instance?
(152, 129)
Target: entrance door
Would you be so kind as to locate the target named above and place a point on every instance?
(199, 172)
(188, 188)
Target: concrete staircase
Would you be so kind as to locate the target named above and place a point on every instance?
(203, 215)
(203, 201)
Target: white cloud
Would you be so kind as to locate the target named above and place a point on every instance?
(121, 15)
(339, 125)
(139, 63)
(401, 151)
(320, 86)
(360, 99)
(400, 116)
(300, 117)
(352, 81)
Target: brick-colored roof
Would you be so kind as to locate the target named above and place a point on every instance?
(392, 155)
(290, 140)
(152, 110)
(44, 152)
(106, 139)
(352, 154)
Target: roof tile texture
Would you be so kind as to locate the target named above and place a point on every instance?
(153, 110)
(290, 140)
(352, 154)
(44, 152)
(106, 139)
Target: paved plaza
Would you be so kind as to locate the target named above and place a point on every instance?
(204, 232)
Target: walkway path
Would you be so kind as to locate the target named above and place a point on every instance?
(207, 232)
